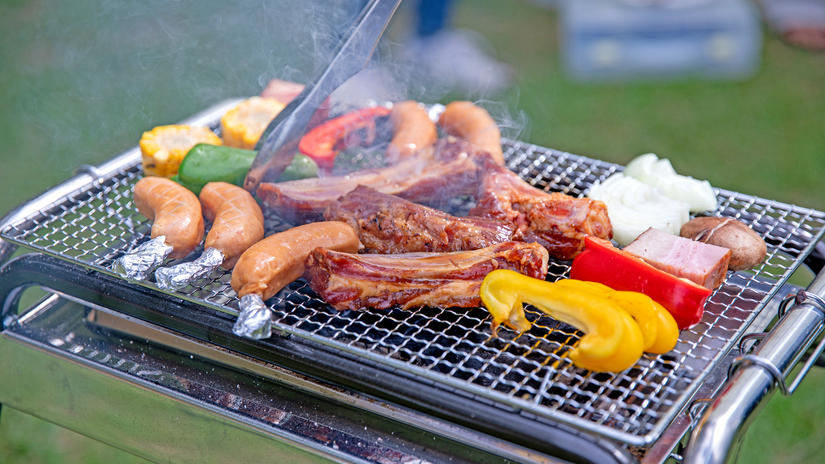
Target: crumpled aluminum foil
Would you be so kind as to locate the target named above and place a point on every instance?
(176, 277)
(255, 318)
(139, 262)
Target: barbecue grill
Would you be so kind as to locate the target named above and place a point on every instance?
(161, 375)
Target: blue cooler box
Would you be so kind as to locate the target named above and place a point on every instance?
(627, 39)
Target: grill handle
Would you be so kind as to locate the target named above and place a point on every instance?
(754, 378)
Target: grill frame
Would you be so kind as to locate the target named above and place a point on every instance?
(791, 231)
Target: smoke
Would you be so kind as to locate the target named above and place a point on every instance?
(82, 80)
(513, 122)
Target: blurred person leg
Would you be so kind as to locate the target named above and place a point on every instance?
(799, 22)
(455, 59)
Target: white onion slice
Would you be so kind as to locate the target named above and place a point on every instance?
(660, 173)
(633, 207)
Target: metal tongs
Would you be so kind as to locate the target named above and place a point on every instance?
(278, 144)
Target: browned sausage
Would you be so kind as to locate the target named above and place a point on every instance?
(237, 220)
(269, 265)
(175, 210)
(473, 123)
(412, 130)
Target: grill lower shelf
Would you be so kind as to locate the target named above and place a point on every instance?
(67, 359)
(453, 349)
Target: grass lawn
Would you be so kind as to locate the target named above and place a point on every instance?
(80, 83)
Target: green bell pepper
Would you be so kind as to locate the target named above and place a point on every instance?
(214, 163)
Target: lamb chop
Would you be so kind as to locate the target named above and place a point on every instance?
(388, 224)
(350, 281)
(557, 221)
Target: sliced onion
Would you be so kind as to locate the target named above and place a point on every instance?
(660, 173)
(633, 207)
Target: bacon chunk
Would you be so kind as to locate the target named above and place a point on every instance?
(698, 262)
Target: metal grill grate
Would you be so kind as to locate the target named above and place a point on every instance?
(453, 348)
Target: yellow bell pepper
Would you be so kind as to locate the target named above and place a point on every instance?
(612, 342)
(658, 327)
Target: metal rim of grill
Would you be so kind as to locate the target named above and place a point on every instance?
(454, 348)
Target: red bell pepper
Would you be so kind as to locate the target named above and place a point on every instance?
(603, 263)
(324, 142)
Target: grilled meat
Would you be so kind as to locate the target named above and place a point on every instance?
(348, 281)
(700, 263)
(388, 224)
(432, 176)
(557, 221)
(747, 249)
(456, 167)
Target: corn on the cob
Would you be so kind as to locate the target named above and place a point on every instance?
(164, 147)
(242, 127)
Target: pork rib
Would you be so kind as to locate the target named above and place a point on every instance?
(432, 176)
(349, 281)
(455, 167)
(388, 224)
(557, 221)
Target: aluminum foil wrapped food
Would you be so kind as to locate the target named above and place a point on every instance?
(254, 320)
(176, 277)
(139, 262)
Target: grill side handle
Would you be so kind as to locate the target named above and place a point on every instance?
(754, 378)
(87, 175)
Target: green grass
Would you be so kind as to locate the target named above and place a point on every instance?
(26, 439)
(763, 136)
(79, 84)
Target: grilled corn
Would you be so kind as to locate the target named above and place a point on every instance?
(164, 147)
(242, 126)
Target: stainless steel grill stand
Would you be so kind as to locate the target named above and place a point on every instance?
(88, 357)
(519, 392)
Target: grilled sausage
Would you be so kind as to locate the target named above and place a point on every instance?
(237, 220)
(473, 123)
(412, 130)
(269, 265)
(175, 210)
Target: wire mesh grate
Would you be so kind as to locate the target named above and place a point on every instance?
(454, 348)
